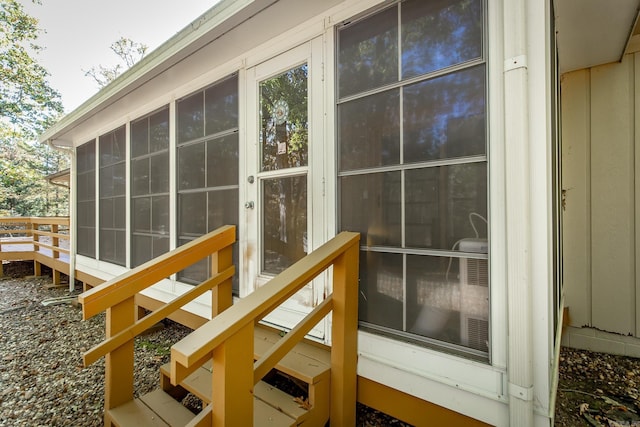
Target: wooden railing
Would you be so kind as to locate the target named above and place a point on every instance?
(45, 240)
(228, 338)
(117, 297)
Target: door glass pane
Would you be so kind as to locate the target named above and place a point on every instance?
(284, 121)
(284, 227)
(453, 29)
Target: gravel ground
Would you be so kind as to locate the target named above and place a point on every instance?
(43, 382)
(42, 379)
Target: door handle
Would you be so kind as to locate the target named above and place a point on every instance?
(249, 205)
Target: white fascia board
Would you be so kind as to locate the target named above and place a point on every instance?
(218, 20)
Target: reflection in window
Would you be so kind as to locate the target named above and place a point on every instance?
(207, 159)
(368, 53)
(445, 117)
(149, 187)
(284, 133)
(285, 222)
(370, 131)
(413, 170)
(112, 196)
(438, 34)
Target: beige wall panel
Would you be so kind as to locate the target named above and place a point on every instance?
(576, 135)
(635, 58)
(612, 198)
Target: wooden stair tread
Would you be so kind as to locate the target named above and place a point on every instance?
(155, 409)
(305, 362)
(279, 400)
(266, 415)
(199, 383)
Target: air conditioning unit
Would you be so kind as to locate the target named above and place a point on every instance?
(474, 296)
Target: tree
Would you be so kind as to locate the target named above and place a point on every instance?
(129, 53)
(28, 105)
(26, 99)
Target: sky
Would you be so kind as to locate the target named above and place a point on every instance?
(77, 34)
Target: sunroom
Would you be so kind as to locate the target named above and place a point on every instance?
(399, 120)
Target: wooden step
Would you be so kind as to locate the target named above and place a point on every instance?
(307, 362)
(158, 409)
(153, 410)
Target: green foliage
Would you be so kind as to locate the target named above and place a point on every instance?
(24, 190)
(26, 99)
(28, 105)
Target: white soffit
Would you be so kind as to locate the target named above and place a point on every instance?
(593, 32)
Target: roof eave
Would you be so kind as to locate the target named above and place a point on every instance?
(201, 31)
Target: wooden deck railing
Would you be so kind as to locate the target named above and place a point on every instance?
(45, 240)
(228, 338)
(117, 297)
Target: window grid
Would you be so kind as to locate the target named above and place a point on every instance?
(86, 199)
(376, 270)
(207, 122)
(112, 206)
(154, 240)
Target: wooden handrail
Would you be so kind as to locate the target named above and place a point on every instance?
(228, 338)
(117, 297)
(157, 315)
(108, 294)
(30, 230)
(259, 303)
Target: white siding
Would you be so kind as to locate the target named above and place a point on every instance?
(599, 174)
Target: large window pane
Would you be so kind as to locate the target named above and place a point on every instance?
(412, 170)
(284, 131)
(448, 299)
(193, 213)
(141, 211)
(370, 204)
(141, 249)
(445, 117)
(370, 131)
(381, 290)
(222, 161)
(160, 173)
(223, 208)
(190, 117)
(445, 204)
(160, 215)
(139, 138)
(221, 106)
(438, 34)
(159, 131)
(368, 53)
(284, 222)
(140, 177)
(191, 161)
(86, 199)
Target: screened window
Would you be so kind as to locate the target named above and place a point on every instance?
(149, 187)
(112, 147)
(86, 199)
(412, 170)
(207, 178)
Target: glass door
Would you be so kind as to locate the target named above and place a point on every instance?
(282, 208)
